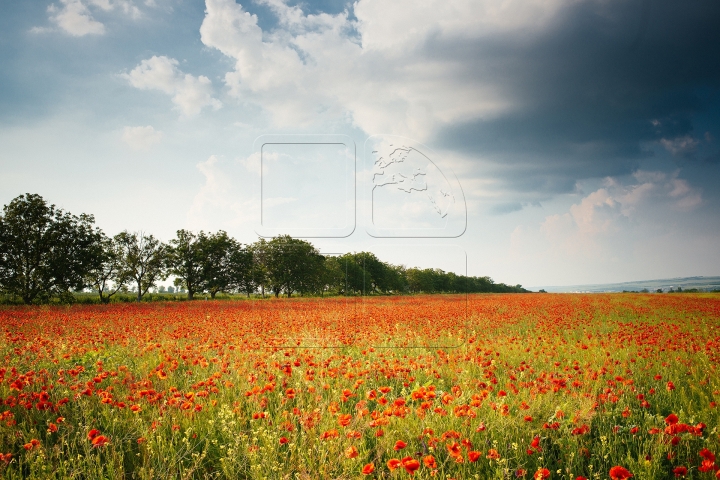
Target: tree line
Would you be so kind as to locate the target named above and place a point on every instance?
(46, 252)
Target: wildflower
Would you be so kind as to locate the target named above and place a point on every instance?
(619, 473)
(680, 471)
(429, 461)
(410, 465)
(708, 462)
(399, 445)
(368, 469)
(542, 474)
(535, 444)
(344, 420)
(351, 452)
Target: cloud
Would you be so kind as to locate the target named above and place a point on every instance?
(222, 201)
(680, 146)
(141, 138)
(547, 92)
(315, 68)
(611, 209)
(622, 230)
(189, 93)
(74, 18)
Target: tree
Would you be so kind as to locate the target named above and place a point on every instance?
(219, 254)
(243, 272)
(143, 260)
(292, 265)
(44, 251)
(107, 276)
(333, 276)
(260, 269)
(185, 260)
(354, 275)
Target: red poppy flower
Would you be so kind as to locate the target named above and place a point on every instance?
(474, 455)
(542, 474)
(344, 420)
(619, 473)
(399, 445)
(368, 469)
(429, 461)
(680, 471)
(410, 465)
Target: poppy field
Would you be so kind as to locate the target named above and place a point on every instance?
(498, 386)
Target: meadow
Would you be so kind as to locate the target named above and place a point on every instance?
(488, 386)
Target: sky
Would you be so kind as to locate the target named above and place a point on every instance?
(538, 142)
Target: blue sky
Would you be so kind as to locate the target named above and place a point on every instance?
(585, 135)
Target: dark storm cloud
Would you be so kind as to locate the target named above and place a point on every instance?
(595, 93)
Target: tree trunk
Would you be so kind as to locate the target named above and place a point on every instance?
(139, 293)
(212, 294)
(191, 294)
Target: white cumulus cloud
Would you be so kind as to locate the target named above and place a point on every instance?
(223, 200)
(74, 17)
(189, 93)
(376, 70)
(141, 138)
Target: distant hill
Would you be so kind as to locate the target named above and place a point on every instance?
(686, 283)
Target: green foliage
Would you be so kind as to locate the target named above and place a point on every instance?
(185, 260)
(143, 258)
(44, 251)
(293, 265)
(50, 255)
